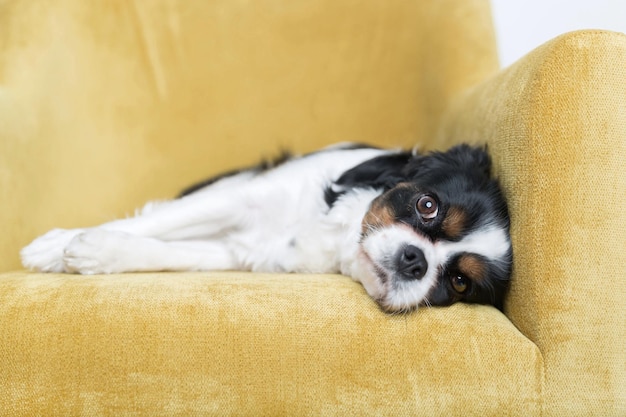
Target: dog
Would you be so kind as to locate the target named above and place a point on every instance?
(415, 229)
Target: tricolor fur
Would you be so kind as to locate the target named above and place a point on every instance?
(414, 229)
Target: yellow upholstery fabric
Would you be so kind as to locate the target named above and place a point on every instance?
(104, 105)
(556, 124)
(244, 344)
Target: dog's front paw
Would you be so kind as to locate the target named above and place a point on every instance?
(45, 254)
(97, 251)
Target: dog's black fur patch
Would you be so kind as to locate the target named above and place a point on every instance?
(381, 173)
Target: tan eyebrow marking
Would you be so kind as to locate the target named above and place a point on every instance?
(455, 222)
(472, 267)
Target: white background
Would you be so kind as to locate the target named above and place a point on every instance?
(522, 25)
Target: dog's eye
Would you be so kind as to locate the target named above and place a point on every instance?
(459, 283)
(427, 207)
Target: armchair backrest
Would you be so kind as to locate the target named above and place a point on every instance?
(104, 105)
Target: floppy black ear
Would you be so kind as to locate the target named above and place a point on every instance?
(467, 158)
(380, 172)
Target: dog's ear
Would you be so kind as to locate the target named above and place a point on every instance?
(470, 158)
(467, 158)
(380, 172)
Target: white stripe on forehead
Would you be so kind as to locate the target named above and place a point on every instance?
(491, 243)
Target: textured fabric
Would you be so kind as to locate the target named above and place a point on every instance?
(104, 105)
(251, 344)
(107, 104)
(556, 123)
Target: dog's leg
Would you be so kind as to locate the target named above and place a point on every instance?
(202, 215)
(99, 251)
(196, 216)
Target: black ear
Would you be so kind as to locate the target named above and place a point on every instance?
(464, 158)
(471, 158)
(380, 172)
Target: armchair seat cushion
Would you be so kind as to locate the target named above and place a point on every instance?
(244, 343)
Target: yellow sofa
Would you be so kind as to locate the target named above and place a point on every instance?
(104, 105)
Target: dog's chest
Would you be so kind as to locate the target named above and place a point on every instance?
(300, 235)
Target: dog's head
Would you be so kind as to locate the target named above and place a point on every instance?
(440, 236)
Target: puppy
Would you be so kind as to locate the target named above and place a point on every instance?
(414, 229)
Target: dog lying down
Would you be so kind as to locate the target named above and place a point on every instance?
(414, 229)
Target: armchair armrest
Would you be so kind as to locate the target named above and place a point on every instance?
(555, 123)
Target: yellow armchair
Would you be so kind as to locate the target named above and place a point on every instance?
(104, 105)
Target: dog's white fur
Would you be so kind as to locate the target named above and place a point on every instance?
(270, 222)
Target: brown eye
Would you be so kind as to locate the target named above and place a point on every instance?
(459, 283)
(427, 207)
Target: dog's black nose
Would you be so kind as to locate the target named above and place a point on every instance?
(411, 263)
